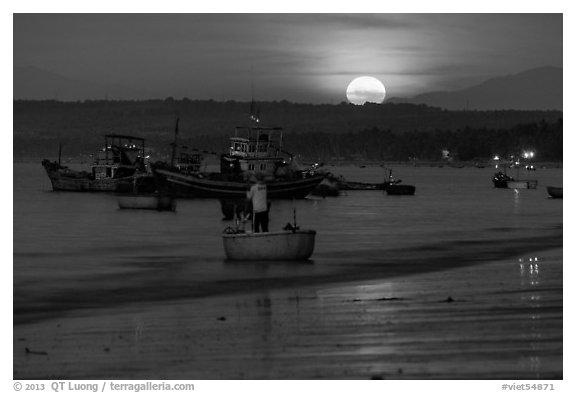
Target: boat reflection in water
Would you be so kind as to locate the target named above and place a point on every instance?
(533, 329)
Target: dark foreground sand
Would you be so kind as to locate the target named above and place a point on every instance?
(499, 319)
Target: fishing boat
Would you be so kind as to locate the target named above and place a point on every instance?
(253, 149)
(114, 169)
(501, 179)
(392, 186)
(340, 183)
(554, 192)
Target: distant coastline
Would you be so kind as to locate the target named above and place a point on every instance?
(394, 132)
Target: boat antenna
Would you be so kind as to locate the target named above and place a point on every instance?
(59, 153)
(175, 143)
(254, 107)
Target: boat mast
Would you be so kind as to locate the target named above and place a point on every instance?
(254, 108)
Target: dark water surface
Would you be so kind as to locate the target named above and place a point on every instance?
(82, 243)
(461, 280)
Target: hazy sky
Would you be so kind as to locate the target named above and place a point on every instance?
(298, 57)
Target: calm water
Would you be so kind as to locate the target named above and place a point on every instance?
(71, 247)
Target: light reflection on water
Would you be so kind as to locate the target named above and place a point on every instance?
(531, 269)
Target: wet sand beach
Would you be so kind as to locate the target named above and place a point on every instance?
(488, 319)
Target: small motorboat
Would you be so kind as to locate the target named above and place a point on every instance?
(501, 179)
(554, 192)
(392, 186)
(286, 245)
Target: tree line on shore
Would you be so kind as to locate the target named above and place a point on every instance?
(468, 144)
(397, 132)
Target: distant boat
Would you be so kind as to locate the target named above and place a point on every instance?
(252, 150)
(501, 179)
(554, 192)
(393, 186)
(343, 184)
(284, 245)
(119, 162)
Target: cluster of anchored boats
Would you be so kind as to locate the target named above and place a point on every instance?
(120, 167)
(503, 180)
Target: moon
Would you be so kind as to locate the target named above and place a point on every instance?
(365, 89)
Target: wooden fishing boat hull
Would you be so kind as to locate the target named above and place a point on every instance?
(194, 186)
(270, 246)
(400, 189)
(65, 179)
(522, 184)
(555, 192)
(147, 202)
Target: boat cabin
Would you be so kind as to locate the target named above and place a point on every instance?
(119, 151)
(256, 142)
(190, 162)
(254, 149)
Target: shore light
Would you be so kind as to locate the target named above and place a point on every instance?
(528, 154)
